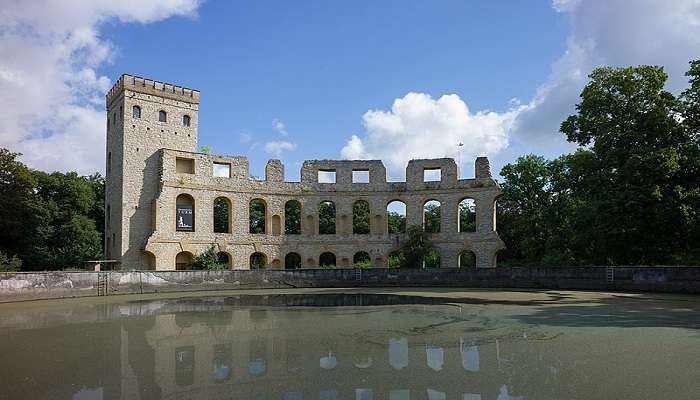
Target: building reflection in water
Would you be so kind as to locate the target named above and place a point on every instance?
(400, 394)
(184, 365)
(435, 357)
(436, 395)
(471, 396)
(470, 355)
(293, 396)
(398, 353)
(328, 395)
(328, 362)
(222, 362)
(364, 394)
(257, 364)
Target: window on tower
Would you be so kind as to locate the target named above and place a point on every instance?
(186, 120)
(136, 112)
(162, 116)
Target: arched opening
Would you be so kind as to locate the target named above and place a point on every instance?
(257, 216)
(326, 218)
(162, 116)
(184, 213)
(222, 215)
(361, 259)
(467, 259)
(276, 222)
(150, 260)
(136, 112)
(394, 259)
(183, 260)
(360, 217)
(431, 216)
(326, 260)
(292, 217)
(432, 259)
(396, 217)
(258, 260)
(292, 261)
(224, 258)
(186, 120)
(467, 215)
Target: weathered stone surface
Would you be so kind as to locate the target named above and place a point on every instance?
(46, 285)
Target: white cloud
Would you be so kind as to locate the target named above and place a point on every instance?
(51, 98)
(279, 127)
(612, 33)
(418, 126)
(277, 148)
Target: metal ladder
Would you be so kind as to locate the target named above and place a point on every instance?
(102, 283)
(358, 274)
(609, 275)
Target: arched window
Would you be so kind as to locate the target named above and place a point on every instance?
(222, 215)
(360, 217)
(431, 216)
(396, 217)
(326, 218)
(292, 217)
(361, 259)
(292, 261)
(184, 213)
(183, 260)
(256, 216)
(467, 259)
(186, 120)
(224, 258)
(432, 259)
(326, 260)
(258, 260)
(162, 116)
(136, 112)
(467, 215)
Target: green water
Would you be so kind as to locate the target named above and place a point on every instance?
(319, 344)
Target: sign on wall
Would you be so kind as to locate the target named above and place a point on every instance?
(185, 217)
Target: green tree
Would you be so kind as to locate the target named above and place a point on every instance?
(360, 217)
(467, 216)
(257, 216)
(635, 185)
(431, 215)
(292, 218)
(221, 215)
(209, 260)
(20, 213)
(397, 222)
(417, 248)
(9, 264)
(326, 218)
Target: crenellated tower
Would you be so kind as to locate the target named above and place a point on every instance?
(143, 116)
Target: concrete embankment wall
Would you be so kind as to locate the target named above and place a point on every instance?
(48, 285)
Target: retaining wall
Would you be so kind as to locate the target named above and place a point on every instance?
(48, 285)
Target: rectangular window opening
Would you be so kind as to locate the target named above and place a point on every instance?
(432, 175)
(222, 170)
(326, 176)
(360, 176)
(184, 165)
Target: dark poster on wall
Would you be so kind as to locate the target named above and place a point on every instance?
(185, 218)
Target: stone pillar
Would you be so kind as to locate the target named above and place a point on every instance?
(274, 171)
(482, 168)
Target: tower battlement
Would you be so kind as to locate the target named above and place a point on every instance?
(152, 87)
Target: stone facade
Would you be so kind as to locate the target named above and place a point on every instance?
(151, 163)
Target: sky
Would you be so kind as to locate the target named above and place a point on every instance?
(391, 80)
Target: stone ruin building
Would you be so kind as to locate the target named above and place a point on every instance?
(161, 195)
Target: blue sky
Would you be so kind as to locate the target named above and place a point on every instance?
(297, 79)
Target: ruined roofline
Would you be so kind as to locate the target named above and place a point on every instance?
(152, 87)
(414, 168)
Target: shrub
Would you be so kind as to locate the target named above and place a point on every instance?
(208, 260)
(9, 264)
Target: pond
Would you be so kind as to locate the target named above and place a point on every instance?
(356, 344)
